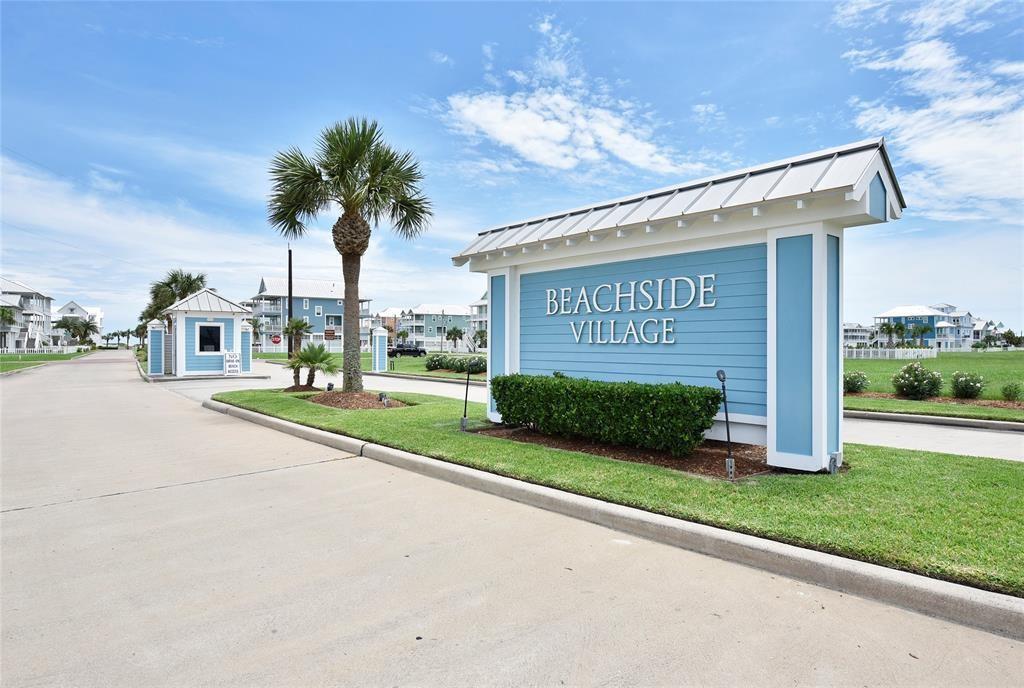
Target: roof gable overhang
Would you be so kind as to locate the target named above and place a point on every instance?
(837, 182)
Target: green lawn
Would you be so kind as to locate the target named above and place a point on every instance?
(9, 366)
(932, 408)
(9, 362)
(41, 357)
(952, 517)
(998, 368)
(403, 364)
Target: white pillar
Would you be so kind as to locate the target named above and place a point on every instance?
(379, 349)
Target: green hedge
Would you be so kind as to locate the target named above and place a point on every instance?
(670, 417)
(459, 364)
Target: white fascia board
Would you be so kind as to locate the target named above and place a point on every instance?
(859, 190)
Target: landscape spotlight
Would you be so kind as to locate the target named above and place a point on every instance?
(730, 463)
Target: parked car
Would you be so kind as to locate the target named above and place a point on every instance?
(406, 350)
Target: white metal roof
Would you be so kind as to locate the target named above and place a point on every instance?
(944, 323)
(206, 300)
(437, 309)
(904, 311)
(390, 312)
(303, 288)
(11, 286)
(831, 169)
(10, 303)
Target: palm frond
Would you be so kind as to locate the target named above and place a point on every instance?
(298, 195)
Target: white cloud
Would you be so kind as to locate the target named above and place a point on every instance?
(1015, 69)
(101, 182)
(957, 127)
(441, 58)
(105, 250)
(240, 175)
(772, 121)
(559, 118)
(857, 13)
(708, 116)
(931, 19)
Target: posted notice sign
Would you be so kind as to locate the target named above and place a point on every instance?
(328, 334)
(232, 363)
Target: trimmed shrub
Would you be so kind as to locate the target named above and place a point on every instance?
(435, 361)
(457, 364)
(476, 364)
(1012, 391)
(669, 417)
(967, 385)
(914, 381)
(855, 381)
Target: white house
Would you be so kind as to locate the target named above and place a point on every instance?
(74, 310)
(33, 328)
(428, 325)
(946, 327)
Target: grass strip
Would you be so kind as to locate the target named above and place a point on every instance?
(932, 408)
(952, 517)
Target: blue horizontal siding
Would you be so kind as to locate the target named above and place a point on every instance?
(732, 335)
(246, 351)
(156, 352)
(207, 364)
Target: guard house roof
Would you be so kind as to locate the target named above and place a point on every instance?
(833, 169)
(304, 288)
(206, 300)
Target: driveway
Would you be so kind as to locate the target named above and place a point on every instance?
(147, 541)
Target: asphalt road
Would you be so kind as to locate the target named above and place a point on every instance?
(147, 541)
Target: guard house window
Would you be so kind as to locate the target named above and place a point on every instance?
(209, 339)
(318, 311)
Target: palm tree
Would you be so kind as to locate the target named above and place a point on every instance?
(888, 330)
(403, 335)
(918, 332)
(6, 316)
(84, 329)
(257, 327)
(480, 337)
(900, 330)
(176, 285)
(371, 182)
(316, 358)
(295, 328)
(140, 333)
(453, 335)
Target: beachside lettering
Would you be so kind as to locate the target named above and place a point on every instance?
(634, 296)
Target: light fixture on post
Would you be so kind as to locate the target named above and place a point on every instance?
(730, 463)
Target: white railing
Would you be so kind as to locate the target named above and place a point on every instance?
(43, 350)
(890, 354)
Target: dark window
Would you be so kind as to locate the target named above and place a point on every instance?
(209, 338)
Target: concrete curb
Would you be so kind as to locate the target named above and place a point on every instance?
(977, 423)
(990, 611)
(8, 373)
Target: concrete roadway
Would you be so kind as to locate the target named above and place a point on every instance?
(938, 438)
(148, 541)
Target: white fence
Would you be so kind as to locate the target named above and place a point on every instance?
(890, 354)
(44, 350)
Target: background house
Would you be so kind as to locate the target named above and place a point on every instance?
(428, 324)
(951, 328)
(33, 328)
(321, 303)
(74, 310)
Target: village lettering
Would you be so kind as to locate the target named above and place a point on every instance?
(671, 293)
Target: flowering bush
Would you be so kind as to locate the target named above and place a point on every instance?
(967, 385)
(914, 381)
(855, 381)
(1012, 391)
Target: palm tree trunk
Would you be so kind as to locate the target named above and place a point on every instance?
(350, 366)
(311, 377)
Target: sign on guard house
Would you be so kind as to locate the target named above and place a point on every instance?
(740, 272)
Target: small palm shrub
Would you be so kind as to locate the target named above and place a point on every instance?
(967, 385)
(855, 381)
(1012, 391)
(914, 381)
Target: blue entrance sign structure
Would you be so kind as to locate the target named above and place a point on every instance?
(740, 272)
(379, 350)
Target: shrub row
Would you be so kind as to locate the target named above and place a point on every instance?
(669, 417)
(914, 381)
(458, 364)
(855, 381)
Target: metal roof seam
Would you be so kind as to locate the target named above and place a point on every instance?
(660, 207)
(625, 217)
(733, 192)
(698, 197)
(781, 177)
(825, 171)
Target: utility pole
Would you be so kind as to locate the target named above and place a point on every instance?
(290, 309)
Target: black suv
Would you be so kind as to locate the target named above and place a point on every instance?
(406, 350)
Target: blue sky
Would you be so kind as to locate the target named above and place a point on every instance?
(136, 136)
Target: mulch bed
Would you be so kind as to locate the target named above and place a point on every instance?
(353, 400)
(992, 403)
(301, 388)
(707, 460)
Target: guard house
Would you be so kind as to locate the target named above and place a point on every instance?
(740, 272)
(203, 334)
